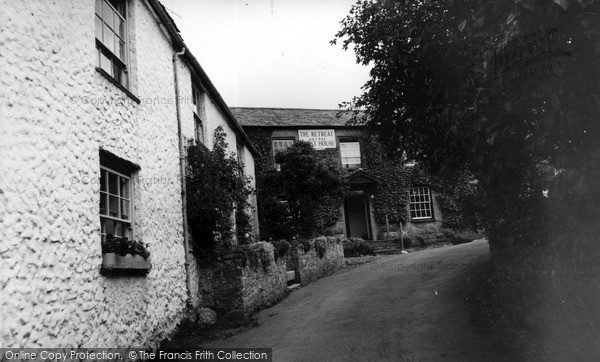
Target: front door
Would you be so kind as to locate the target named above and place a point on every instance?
(357, 213)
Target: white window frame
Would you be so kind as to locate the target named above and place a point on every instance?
(114, 63)
(198, 101)
(275, 152)
(198, 105)
(126, 224)
(347, 154)
(198, 130)
(420, 203)
(286, 140)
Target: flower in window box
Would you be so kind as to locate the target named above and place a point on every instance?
(122, 245)
(122, 253)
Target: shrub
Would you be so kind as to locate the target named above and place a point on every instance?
(320, 247)
(354, 247)
(333, 231)
(281, 248)
(253, 255)
(303, 198)
(421, 240)
(407, 241)
(457, 239)
(217, 196)
(124, 246)
(305, 244)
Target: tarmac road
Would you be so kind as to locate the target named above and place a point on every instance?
(408, 307)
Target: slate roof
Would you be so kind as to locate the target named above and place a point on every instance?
(290, 117)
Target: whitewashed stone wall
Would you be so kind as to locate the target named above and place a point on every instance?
(57, 113)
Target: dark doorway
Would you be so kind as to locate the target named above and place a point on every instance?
(357, 222)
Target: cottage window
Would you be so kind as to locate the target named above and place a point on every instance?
(281, 145)
(240, 155)
(198, 107)
(115, 203)
(198, 131)
(198, 102)
(420, 203)
(350, 153)
(111, 39)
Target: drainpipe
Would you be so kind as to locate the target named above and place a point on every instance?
(182, 178)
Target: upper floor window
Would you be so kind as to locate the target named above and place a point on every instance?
(420, 203)
(281, 145)
(115, 203)
(198, 131)
(240, 155)
(198, 102)
(198, 107)
(111, 39)
(350, 153)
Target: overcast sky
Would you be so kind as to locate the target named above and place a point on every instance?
(271, 53)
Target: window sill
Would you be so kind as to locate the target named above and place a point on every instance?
(118, 85)
(129, 264)
(416, 221)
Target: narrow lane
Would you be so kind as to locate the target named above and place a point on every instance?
(405, 307)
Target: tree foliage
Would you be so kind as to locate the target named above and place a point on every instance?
(303, 198)
(217, 196)
(509, 89)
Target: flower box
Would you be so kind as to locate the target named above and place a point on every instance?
(114, 261)
(120, 254)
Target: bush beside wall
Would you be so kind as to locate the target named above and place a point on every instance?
(355, 247)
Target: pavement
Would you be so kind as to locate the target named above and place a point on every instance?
(409, 307)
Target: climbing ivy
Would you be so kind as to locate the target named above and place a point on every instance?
(217, 196)
(455, 189)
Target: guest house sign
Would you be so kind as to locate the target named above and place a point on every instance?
(320, 138)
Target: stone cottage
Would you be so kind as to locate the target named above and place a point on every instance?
(99, 99)
(273, 130)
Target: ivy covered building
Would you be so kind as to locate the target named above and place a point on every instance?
(382, 191)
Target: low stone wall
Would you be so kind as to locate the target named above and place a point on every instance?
(265, 285)
(250, 278)
(310, 266)
(242, 283)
